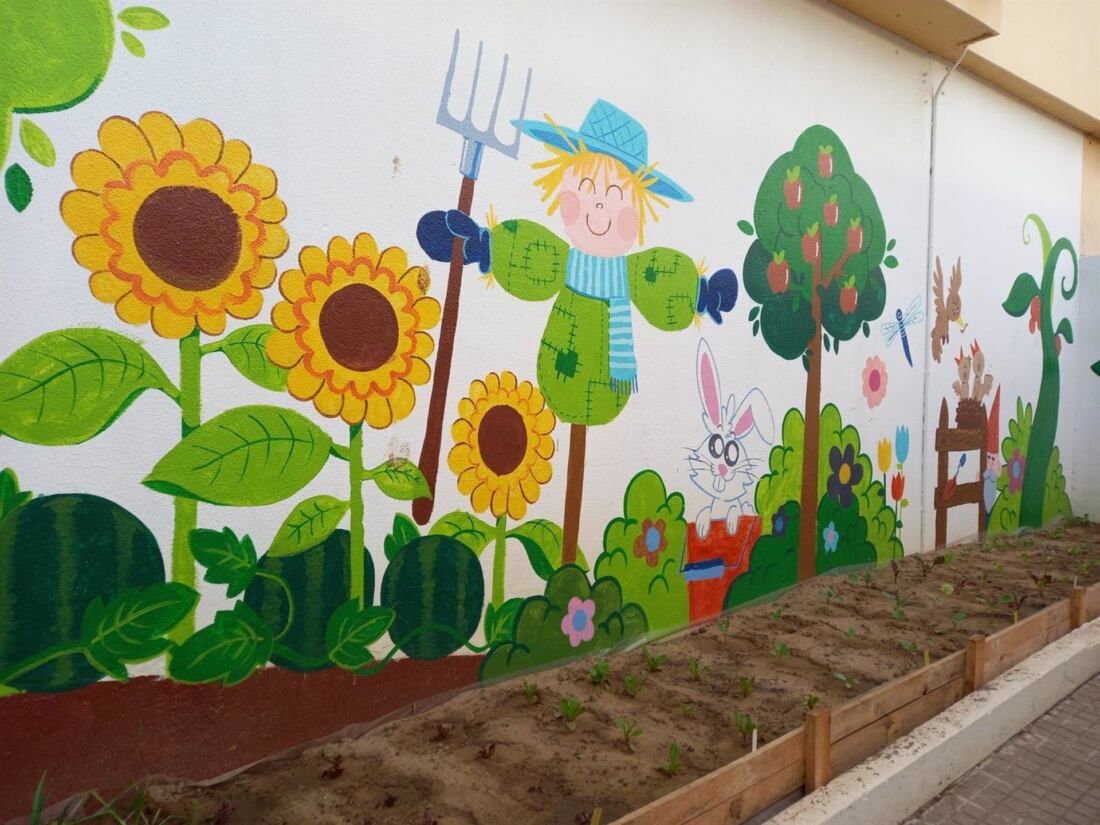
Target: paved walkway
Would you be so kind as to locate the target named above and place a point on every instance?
(1048, 774)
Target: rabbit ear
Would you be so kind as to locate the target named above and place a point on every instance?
(753, 412)
(709, 390)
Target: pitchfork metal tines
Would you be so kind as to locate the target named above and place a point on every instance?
(475, 139)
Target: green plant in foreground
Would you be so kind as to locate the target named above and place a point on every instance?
(776, 614)
(909, 646)
(851, 632)
(745, 726)
(830, 596)
(632, 683)
(811, 701)
(531, 693)
(688, 711)
(653, 662)
(570, 709)
(599, 674)
(746, 685)
(630, 731)
(958, 618)
(696, 668)
(673, 766)
(780, 649)
(850, 682)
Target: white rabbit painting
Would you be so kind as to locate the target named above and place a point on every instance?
(728, 462)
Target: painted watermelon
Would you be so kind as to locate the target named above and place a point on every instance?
(320, 579)
(57, 553)
(433, 580)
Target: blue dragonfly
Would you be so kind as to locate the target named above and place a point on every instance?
(894, 329)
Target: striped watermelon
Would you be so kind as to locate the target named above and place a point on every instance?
(57, 553)
(319, 578)
(433, 580)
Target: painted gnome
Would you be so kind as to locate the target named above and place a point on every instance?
(601, 181)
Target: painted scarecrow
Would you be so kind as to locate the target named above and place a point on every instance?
(601, 182)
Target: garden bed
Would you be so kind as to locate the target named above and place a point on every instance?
(492, 756)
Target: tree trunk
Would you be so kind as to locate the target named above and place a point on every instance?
(574, 492)
(811, 449)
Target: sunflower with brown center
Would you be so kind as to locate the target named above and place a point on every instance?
(176, 224)
(352, 330)
(503, 445)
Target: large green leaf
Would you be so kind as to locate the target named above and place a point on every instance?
(36, 142)
(226, 651)
(227, 559)
(352, 630)
(542, 540)
(246, 350)
(131, 627)
(245, 456)
(1065, 329)
(69, 385)
(309, 523)
(399, 478)
(1019, 297)
(499, 622)
(466, 528)
(404, 530)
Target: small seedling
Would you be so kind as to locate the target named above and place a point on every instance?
(1017, 602)
(811, 701)
(531, 693)
(928, 565)
(1086, 566)
(1076, 550)
(630, 731)
(851, 633)
(744, 724)
(958, 619)
(850, 682)
(746, 685)
(1025, 556)
(960, 581)
(780, 649)
(688, 711)
(486, 751)
(867, 578)
(673, 766)
(1041, 582)
(570, 709)
(696, 668)
(632, 683)
(898, 614)
(599, 675)
(724, 625)
(830, 596)
(999, 567)
(948, 558)
(776, 614)
(947, 589)
(653, 663)
(853, 577)
(909, 646)
(335, 767)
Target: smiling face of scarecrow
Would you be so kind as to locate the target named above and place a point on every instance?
(598, 210)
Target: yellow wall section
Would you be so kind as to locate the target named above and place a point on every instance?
(1090, 198)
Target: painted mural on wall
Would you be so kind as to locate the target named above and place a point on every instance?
(54, 55)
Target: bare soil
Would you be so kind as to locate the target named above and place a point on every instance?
(491, 756)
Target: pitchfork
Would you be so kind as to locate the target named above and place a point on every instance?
(474, 141)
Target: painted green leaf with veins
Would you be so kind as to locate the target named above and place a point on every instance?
(227, 559)
(542, 541)
(309, 523)
(244, 457)
(69, 385)
(400, 479)
(226, 651)
(352, 630)
(245, 349)
(131, 627)
(466, 528)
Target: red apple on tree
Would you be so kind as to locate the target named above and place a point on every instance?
(849, 297)
(779, 273)
(792, 188)
(855, 236)
(825, 161)
(811, 244)
(831, 211)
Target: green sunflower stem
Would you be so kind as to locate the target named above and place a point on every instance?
(500, 535)
(187, 509)
(357, 553)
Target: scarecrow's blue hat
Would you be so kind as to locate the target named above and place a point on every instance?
(609, 130)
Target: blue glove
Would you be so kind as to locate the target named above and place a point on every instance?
(717, 294)
(437, 230)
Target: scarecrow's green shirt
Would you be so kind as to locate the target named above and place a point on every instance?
(529, 262)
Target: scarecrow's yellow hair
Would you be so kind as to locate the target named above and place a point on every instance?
(586, 163)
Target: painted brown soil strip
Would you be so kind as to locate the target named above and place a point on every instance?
(110, 734)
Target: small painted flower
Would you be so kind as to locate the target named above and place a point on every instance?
(885, 455)
(831, 537)
(897, 487)
(874, 381)
(651, 542)
(779, 524)
(577, 622)
(846, 473)
(901, 444)
(1016, 466)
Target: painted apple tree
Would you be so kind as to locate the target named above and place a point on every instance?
(815, 270)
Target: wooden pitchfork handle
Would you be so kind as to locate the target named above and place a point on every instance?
(437, 406)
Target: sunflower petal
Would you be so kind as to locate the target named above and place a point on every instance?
(419, 372)
(517, 504)
(402, 399)
(91, 252)
(265, 274)
(132, 309)
(282, 316)
(261, 179)
(541, 471)
(162, 133)
(394, 259)
(248, 308)
(83, 212)
(203, 140)
(275, 241)
(282, 349)
(271, 210)
(499, 504)
(124, 141)
(339, 249)
(365, 246)
(170, 324)
(379, 414)
(92, 170)
(212, 323)
(236, 156)
(355, 408)
(480, 498)
(327, 402)
(428, 310)
(458, 459)
(530, 488)
(312, 260)
(300, 382)
(106, 287)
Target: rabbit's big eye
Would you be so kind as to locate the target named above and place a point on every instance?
(731, 453)
(715, 446)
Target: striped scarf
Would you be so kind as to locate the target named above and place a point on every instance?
(605, 279)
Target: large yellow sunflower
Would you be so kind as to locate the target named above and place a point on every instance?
(177, 225)
(351, 330)
(503, 445)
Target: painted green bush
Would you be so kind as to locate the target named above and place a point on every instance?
(651, 529)
(573, 618)
(436, 589)
(59, 554)
(774, 564)
(319, 581)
